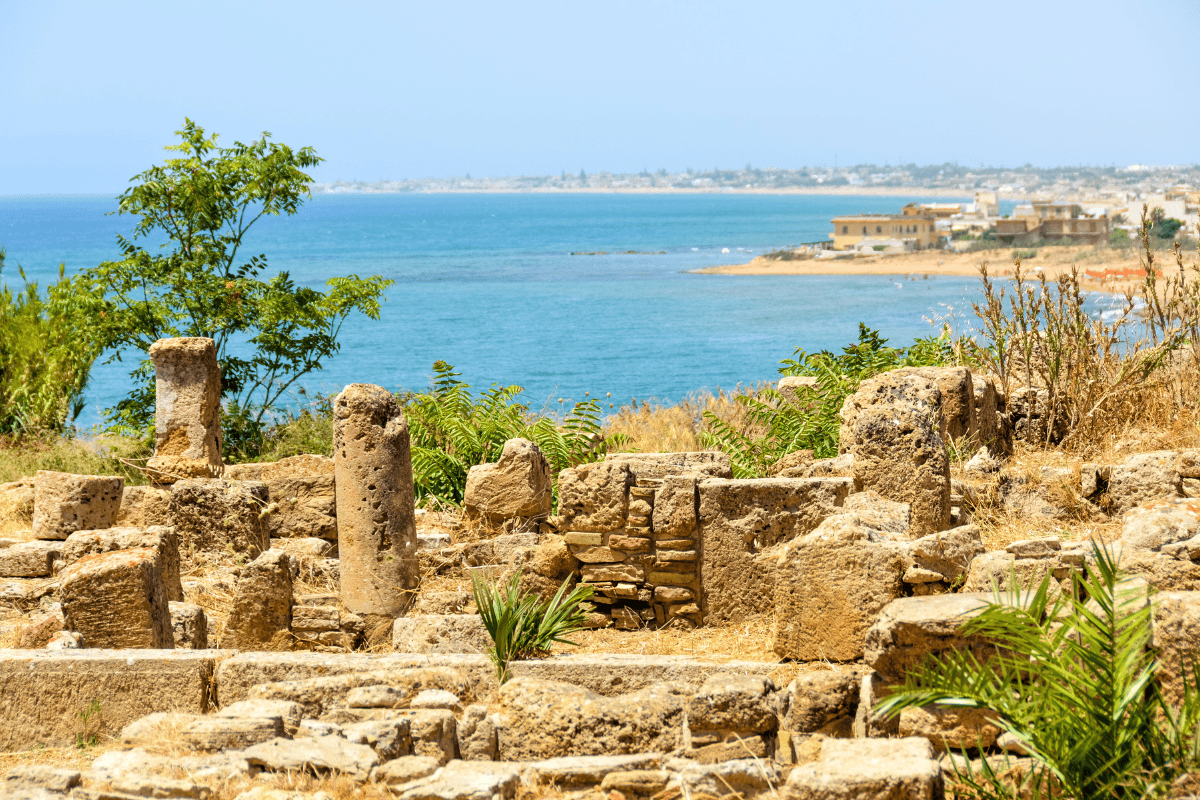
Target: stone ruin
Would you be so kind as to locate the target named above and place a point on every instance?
(866, 564)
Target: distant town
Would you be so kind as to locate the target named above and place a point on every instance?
(1086, 205)
(1089, 184)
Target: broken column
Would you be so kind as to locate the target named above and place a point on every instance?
(377, 536)
(187, 411)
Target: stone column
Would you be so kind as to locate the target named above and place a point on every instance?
(187, 412)
(377, 536)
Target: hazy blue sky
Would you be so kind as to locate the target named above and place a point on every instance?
(91, 91)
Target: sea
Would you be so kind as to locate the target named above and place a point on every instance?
(562, 294)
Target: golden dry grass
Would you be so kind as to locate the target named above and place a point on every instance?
(656, 428)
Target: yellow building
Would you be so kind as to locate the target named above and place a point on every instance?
(920, 232)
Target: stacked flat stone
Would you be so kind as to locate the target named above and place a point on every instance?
(631, 522)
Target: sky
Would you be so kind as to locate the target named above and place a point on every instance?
(91, 92)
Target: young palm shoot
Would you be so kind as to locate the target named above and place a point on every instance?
(522, 626)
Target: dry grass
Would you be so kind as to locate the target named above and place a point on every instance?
(102, 455)
(655, 428)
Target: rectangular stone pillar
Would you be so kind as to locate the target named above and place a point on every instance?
(187, 410)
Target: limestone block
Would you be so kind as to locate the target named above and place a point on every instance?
(652, 466)
(675, 508)
(144, 506)
(29, 559)
(476, 731)
(261, 615)
(190, 626)
(881, 514)
(220, 519)
(829, 587)
(743, 777)
(456, 601)
(40, 632)
(433, 733)
(517, 487)
(377, 536)
(1002, 570)
(201, 732)
(739, 703)
(899, 453)
(551, 564)
(840, 467)
(64, 503)
(896, 769)
(957, 415)
(118, 600)
(594, 497)
(739, 519)
(302, 491)
(824, 702)
(440, 633)
(886, 389)
(1158, 523)
(324, 753)
(42, 693)
(162, 539)
(389, 738)
(467, 780)
(543, 719)
(994, 431)
(911, 628)
(949, 553)
(949, 728)
(35, 778)
(187, 410)
(796, 464)
(1143, 477)
(580, 772)
(382, 688)
(1176, 640)
(405, 769)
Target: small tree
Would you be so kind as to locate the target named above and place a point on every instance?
(269, 332)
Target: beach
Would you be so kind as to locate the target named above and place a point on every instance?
(1100, 269)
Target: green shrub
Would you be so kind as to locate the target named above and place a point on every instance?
(1119, 237)
(1024, 254)
(48, 344)
(453, 429)
(522, 626)
(1074, 681)
(774, 425)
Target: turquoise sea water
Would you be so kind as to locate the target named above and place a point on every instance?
(488, 283)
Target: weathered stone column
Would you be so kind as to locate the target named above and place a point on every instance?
(187, 410)
(377, 536)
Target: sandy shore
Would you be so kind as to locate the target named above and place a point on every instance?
(1099, 268)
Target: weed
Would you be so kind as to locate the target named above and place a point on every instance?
(521, 625)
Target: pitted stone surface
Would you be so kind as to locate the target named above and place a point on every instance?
(377, 537)
(187, 413)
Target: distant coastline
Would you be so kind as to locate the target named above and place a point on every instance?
(841, 191)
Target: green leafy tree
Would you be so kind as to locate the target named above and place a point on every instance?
(48, 343)
(270, 332)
